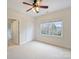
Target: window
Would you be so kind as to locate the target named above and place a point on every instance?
(53, 28)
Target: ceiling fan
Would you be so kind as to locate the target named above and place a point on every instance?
(35, 5)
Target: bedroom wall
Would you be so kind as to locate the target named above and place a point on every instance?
(65, 16)
(25, 25)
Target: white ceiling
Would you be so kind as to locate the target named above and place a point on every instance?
(52, 4)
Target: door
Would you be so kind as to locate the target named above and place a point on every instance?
(15, 32)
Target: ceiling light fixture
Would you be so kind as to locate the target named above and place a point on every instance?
(36, 6)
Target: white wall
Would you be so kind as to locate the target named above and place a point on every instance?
(25, 25)
(64, 15)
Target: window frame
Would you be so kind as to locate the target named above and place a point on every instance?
(53, 34)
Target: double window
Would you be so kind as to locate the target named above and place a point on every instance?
(52, 28)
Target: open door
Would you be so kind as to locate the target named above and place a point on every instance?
(15, 32)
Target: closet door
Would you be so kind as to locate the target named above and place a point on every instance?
(15, 32)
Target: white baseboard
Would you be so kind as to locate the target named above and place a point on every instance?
(21, 43)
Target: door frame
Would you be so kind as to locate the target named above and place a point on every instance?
(11, 21)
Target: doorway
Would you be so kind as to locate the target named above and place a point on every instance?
(13, 32)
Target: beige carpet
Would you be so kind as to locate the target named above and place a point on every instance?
(37, 50)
